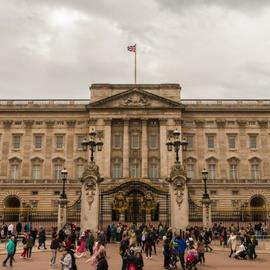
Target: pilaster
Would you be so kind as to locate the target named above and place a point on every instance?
(144, 150)
(126, 149)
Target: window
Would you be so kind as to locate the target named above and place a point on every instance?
(153, 169)
(116, 168)
(235, 203)
(190, 171)
(79, 170)
(211, 171)
(235, 192)
(252, 141)
(34, 203)
(190, 142)
(232, 141)
(233, 166)
(34, 192)
(14, 171)
(56, 192)
(213, 192)
(38, 141)
(211, 141)
(116, 141)
(214, 203)
(153, 141)
(59, 141)
(135, 168)
(58, 167)
(80, 139)
(36, 171)
(16, 141)
(135, 141)
(255, 168)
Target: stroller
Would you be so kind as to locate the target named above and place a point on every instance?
(173, 259)
(191, 260)
(242, 253)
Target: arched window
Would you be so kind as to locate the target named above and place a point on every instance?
(79, 167)
(233, 168)
(116, 168)
(153, 168)
(15, 166)
(190, 167)
(255, 168)
(135, 168)
(58, 165)
(212, 166)
(36, 171)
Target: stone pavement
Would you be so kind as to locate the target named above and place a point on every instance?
(216, 260)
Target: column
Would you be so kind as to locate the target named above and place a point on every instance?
(107, 149)
(126, 150)
(144, 150)
(163, 148)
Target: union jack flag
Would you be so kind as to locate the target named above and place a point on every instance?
(132, 48)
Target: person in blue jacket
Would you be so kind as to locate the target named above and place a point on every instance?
(181, 246)
(10, 251)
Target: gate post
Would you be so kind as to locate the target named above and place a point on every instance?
(90, 207)
(178, 197)
(62, 213)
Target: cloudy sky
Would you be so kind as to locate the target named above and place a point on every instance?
(57, 48)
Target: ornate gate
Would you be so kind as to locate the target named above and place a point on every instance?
(134, 202)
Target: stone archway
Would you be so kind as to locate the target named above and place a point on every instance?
(258, 208)
(12, 206)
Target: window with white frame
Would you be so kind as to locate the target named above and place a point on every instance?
(16, 141)
(190, 142)
(59, 143)
(211, 170)
(255, 168)
(153, 169)
(232, 141)
(252, 141)
(36, 170)
(38, 141)
(153, 141)
(211, 141)
(79, 170)
(190, 168)
(135, 141)
(58, 167)
(135, 168)
(116, 168)
(116, 141)
(233, 167)
(80, 139)
(14, 171)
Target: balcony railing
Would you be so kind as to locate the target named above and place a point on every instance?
(38, 181)
(42, 102)
(238, 102)
(231, 181)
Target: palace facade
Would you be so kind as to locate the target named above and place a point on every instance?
(230, 138)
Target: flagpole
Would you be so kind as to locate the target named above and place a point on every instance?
(135, 64)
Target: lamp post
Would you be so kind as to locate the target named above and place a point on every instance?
(62, 202)
(205, 177)
(176, 144)
(206, 203)
(92, 144)
(64, 174)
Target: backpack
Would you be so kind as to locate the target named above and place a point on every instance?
(132, 266)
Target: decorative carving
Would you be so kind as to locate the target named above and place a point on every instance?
(242, 123)
(28, 123)
(7, 123)
(71, 123)
(135, 100)
(221, 123)
(50, 123)
(178, 181)
(148, 202)
(199, 123)
(90, 191)
(120, 202)
(91, 171)
(263, 123)
(92, 122)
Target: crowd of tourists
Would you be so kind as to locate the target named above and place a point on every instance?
(136, 243)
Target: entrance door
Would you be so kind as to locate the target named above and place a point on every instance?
(258, 209)
(12, 209)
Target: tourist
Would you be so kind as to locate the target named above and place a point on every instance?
(102, 263)
(54, 247)
(166, 252)
(10, 251)
(130, 261)
(90, 241)
(10, 229)
(99, 250)
(148, 245)
(201, 250)
(29, 245)
(140, 263)
(82, 247)
(19, 228)
(108, 234)
(181, 247)
(232, 243)
(24, 242)
(192, 257)
(66, 261)
(42, 238)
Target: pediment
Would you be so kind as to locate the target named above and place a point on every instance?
(135, 98)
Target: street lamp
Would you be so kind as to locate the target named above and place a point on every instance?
(92, 144)
(64, 174)
(176, 144)
(205, 176)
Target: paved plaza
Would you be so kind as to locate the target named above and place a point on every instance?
(217, 260)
